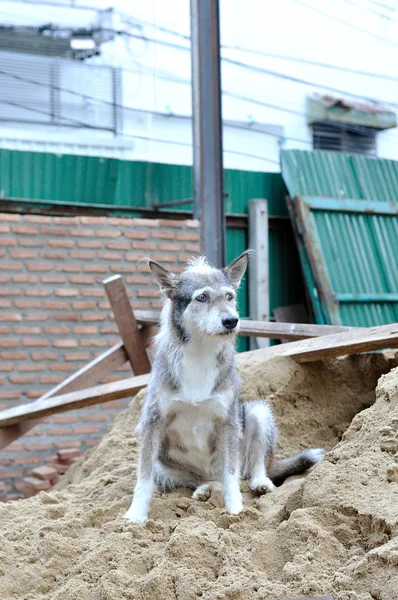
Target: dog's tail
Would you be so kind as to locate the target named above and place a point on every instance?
(295, 465)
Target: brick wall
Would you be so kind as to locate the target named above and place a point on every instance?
(55, 317)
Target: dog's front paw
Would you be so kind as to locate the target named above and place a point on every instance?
(261, 485)
(204, 491)
(235, 506)
(134, 515)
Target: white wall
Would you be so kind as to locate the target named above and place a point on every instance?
(358, 36)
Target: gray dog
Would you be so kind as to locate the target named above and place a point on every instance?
(194, 431)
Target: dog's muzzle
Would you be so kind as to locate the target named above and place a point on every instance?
(230, 322)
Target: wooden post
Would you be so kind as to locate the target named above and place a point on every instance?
(258, 267)
(128, 327)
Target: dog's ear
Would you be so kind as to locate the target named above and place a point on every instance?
(165, 280)
(237, 268)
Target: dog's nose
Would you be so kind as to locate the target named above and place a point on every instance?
(230, 322)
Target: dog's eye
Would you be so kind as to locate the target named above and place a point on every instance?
(202, 298)
(229, 296)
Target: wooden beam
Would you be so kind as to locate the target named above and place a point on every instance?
(331, 346)
(127, 325)
(90, 374)
(289, 331)
(87, 397)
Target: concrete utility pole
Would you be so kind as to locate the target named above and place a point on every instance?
(207, 129)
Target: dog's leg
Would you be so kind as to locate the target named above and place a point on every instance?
(150, 440)
(231, 462)
(258, 445)
(169, 478)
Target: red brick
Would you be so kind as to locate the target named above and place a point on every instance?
(53, 379)
(10, 217)
(86, 429)
(108, 233)
(145, 222)
(118, 245)
(2, 253)
(9, 343)
(66, 220)
(39, 266)
(22, 254)
(81, 232)
(66, 268)
(28, 368)
(6, 367)
(25, 229)
(4, 330)
(124, 222)
(163, 235)
(7, 316)
(26, 460)
(67, 317)
(92, 244)
(104, 255)
(22, 278)
(3, 278)
(157, 305)
(42, 219)
(61, 243)
(4, 462)
(68, 444)
(33, 394)
(138, 279)
(59, 431)
(40, 292)
(56, 306)
(192, 248)
(92, 442)
(92, 220)
(10, 474)
(94, 292)
(139, 305)
(4, 303)
(56, 330)
(85, 330)
(74, 356)
(14, 355)
(65, 343)
(44, 472)
(94, 317)
(70, 453)
(58, 231)
(122, 268)
(94, 418)
(63, 368)
(27, 304)
(35, 342)
(67, 419)
(61, 468)
(83, 305)
(20, 380)
(53, 255)
(7, 242)
(44, 355)
(24, 330)
(114, 404)
(82, 279)
(168, 258)
(193, 223)
(109, 329)
(53, 279)
(188, 237)
(95, 343)
(133, 256)
(36, 484)
(136, 235)
(143, 268)
(82, 254)
(148, 294)
(170, 223)
(104, 305)
(10, 266)
(33, 446)
(170, 247)
(144, 245)
(5, 228)
(95, 268)
(66, 292)
(32, 242)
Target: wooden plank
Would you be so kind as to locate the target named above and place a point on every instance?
(258, 276)
(331, 346)
(289, 331)
(90, 374)
(87, 397)
(127, 324)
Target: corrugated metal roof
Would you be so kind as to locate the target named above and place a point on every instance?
(336, 175)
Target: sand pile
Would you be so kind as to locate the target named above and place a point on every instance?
(335, 531)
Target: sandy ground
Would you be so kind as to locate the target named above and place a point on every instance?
(334, 531)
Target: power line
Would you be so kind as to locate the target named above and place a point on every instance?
(347, 23)
(133, 135)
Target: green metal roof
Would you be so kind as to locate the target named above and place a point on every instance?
(345, 212)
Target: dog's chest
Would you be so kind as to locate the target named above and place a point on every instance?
(198, 376)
